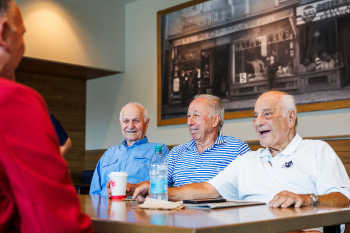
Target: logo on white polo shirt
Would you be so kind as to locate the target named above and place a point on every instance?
(288, 164)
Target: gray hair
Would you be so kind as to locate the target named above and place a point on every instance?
(4, 6)
(288, 103)
(216, 106)
(144, 110)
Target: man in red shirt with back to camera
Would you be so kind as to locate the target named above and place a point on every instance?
(36, 192)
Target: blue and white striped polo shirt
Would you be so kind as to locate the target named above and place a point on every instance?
(186, 165)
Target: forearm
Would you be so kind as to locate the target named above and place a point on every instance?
(66, 146)
(134, 186)
(333, 200)
(193, 191)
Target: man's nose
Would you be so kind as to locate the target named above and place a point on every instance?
(259, 121)
(131, 125)
(190, 120)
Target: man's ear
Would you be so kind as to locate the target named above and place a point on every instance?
(147, 123)
(292, 118)
(216, 120)
(3, 42)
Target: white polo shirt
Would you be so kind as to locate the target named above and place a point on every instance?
(305, 166)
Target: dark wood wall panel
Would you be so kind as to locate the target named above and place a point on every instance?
(66, 99)
(92, 157)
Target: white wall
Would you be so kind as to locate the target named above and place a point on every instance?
(82, 32)
(106, 96)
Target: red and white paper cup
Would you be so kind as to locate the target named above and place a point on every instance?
(118, 184)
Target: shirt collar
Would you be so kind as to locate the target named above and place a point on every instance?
(139, 142)
(289, 150)
(220, 140)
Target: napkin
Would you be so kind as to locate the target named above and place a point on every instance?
(152, 203)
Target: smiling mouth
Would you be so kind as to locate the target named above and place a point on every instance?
(130, 131)
(264, 132)
(193, 130)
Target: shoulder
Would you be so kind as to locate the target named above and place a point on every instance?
(10, 89)
(318, 146)
(180, 148)
(232, 141)
(250, 156)
(314, 143)
(111, 151)
(153, 144)
(176, 151)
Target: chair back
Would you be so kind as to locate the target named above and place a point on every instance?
(86, 177)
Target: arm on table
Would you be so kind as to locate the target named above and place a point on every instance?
(130, 188)
(66, 146)
(285, 199)
(185, 192)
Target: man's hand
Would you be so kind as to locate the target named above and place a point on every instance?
(141, 192)
(130, 188)
(109, 191)
(285, 199)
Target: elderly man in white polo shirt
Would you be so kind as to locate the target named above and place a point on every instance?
(290, 171)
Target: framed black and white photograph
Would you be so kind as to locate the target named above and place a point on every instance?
(237, 49)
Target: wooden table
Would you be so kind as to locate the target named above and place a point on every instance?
(118, 216)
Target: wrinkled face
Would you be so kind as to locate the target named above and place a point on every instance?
(270, 124)
(199, 122)
(13, 33)
(132, 124)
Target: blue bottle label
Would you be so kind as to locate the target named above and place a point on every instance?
(158, 187)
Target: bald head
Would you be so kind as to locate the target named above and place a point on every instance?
(134, 122)
(215, 105)
(275, 120)
(136, 105)
(287, 101)
(11, 38)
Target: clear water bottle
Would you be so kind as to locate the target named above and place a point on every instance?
(159, 175)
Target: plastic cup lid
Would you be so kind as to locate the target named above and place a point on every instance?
(118, 174)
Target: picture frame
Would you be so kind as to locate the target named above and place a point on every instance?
(238, 49)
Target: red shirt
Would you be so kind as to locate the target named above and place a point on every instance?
(36, 191)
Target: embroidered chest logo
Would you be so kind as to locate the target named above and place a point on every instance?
(288, 164)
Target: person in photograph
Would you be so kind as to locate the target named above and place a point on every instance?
(184, 87)
(271, 70)
(195, 79)
(315, 62)
(286, 62)
(133, 156)
(36, 190)
(257, 64)
(289, 171)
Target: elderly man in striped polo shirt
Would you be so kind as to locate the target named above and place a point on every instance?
(208, 152)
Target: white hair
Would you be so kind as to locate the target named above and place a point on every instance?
(288, 103)
(216, 106)
(144, 110)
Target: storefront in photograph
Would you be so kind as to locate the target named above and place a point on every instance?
(238, 49)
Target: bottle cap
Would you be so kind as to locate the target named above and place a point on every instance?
(158, 148)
